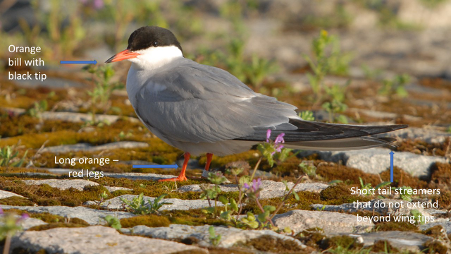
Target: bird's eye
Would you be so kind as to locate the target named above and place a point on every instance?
(155, 43)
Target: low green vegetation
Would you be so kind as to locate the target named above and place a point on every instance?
(395, 86)
(215, 239)
(139, 206)
(249, 191)
(307, 115)
(101, 94)
(9, 157)
(327, 59)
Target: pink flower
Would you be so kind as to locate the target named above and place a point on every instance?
(24, 216)
(280, 139)
(277, 143)
(255, 186)
(268, 135)
(98, 4)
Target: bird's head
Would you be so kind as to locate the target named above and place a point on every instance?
(150, 47)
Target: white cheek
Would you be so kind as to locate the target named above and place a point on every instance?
(155, 57)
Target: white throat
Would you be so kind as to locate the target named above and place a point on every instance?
(155, 57)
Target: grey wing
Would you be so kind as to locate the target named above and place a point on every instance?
(198, 103)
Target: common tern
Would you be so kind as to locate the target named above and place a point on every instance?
(203, 109)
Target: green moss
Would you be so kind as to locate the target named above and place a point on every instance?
(436, 232)
(19, 125)
(193, 217)
(344, 241)
(276, 245)
(288, 168)
(384, 247)
(306, 199)
(20, 250)
(435, 247)
(150, 220)
(47, 217)
(16, 201)
(396, 226)
(332, 171)
(45, 195)
(339, 194)
(403, 178)
(311, 237)
(56, 225)
(444, 200)
(154, 188)
(234, 250)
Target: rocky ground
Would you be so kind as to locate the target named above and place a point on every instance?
(73, 214)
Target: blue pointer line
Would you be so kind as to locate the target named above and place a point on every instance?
(391, 166)
(156, 166)
(78, 62)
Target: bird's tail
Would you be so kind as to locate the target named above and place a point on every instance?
(308, 135)
(336, 137)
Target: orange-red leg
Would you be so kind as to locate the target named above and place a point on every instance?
(207, 165)
(209, 157)
(182, 176)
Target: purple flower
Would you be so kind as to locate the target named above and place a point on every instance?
(1, 211)
(268, 135)
(280, 139)
(24, 216)
(98, 4)
(255, 186)
(277, 143)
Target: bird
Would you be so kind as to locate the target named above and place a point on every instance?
(202, 109)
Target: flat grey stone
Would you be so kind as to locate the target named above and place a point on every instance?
(445, 224)
(112, 189)
(132, 176)
(198, 187)
(7, 194)
(382, 206)
(31, 222)
(229, 236)
(176, 204)
(330, 222)
(74, 117)
(376, 160)
(26, 223)
(91, 216)
(401, 240)
(95, 239)
(273, 189)
(270, 189)
(64, 184)
(90, 148)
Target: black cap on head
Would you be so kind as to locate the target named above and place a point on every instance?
(152, 36)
